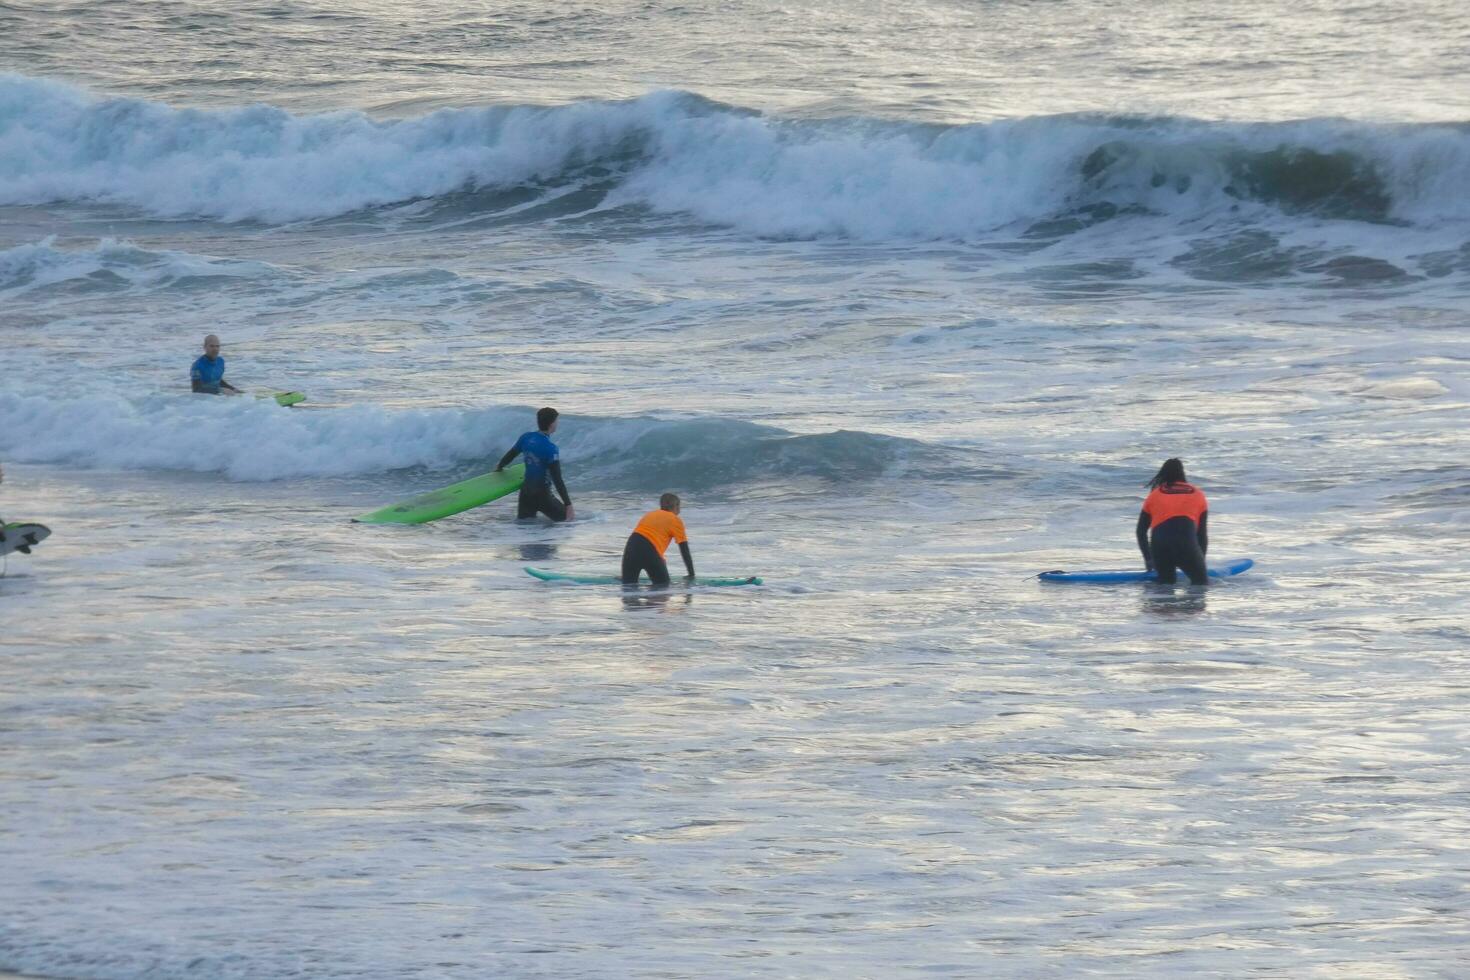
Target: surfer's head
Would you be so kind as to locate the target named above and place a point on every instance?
(669, 502)
(1171, 472)
(546, 419)
(211, 346)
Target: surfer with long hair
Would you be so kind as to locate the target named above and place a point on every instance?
(1172, 527)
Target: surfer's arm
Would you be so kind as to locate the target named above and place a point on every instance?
(226, 386)
(561, 488)
(505, 460)
(688, 558)
(1203, 534)
(1142, 532)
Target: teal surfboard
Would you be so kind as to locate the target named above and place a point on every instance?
(21, 537)
(546, 576)
(1138, 575)
(451, 499)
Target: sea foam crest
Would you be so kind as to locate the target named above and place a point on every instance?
(242, 438)
(676, 152)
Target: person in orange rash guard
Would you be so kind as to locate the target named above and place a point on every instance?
(645, 549)
(1172, 530)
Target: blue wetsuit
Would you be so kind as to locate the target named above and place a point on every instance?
(208, 375)
(543, 460)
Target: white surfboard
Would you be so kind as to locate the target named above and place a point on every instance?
(21, 537)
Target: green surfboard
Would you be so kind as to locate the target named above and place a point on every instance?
(546, 576)
(285, 398)
(451, 499)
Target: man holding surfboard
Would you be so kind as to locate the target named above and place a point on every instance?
(543, 460)
(207, 375)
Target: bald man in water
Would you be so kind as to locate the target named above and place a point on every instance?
(207, 376)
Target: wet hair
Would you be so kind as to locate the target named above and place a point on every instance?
(668, 500)
(545, 417)
(1171, 472)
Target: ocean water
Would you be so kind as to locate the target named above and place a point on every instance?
(907, 300)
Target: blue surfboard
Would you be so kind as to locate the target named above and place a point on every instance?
(1137, 575)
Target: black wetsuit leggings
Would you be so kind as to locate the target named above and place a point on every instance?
(1174, 544)
(536, 498)
(639, 555)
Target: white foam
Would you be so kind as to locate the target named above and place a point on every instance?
(243, 438)
(60, 143)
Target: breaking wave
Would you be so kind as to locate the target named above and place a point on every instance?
(248, 440)
(673, 152)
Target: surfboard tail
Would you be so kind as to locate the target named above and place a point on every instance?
(449, 500)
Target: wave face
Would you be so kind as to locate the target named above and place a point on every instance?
(675, 152)
(114, 263)
(248, 440)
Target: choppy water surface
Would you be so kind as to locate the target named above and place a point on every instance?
(907, 302)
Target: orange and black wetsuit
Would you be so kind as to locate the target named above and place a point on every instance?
(1177, 515)
(645, 549)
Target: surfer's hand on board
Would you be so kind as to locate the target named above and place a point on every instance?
(571, 513)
